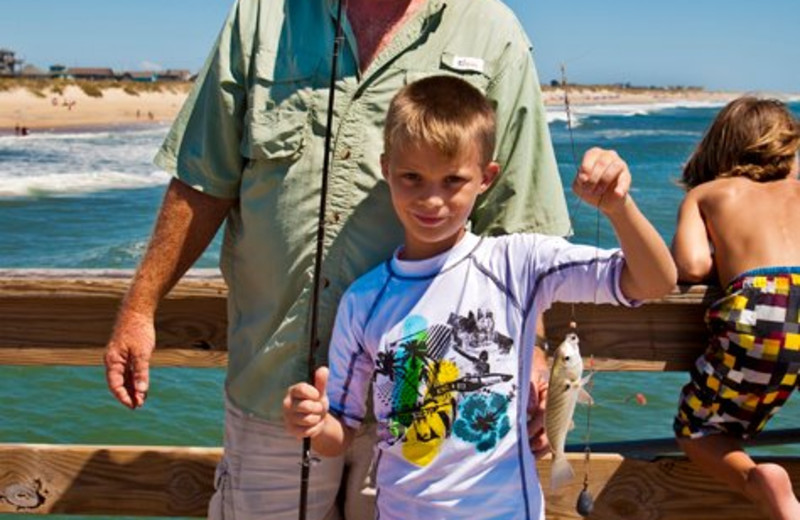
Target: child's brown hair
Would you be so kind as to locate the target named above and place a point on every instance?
(751, 137)
(445, 112)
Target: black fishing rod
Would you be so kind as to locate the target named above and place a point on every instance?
(313, 344)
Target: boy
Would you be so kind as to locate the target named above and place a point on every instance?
(440, 330)
(742, 201)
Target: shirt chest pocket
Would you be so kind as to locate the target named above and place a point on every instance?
(279, 134)
(476, 71)
(279, 120)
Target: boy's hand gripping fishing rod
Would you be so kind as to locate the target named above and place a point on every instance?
(313, 343)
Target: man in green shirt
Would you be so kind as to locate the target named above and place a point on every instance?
(247, 148)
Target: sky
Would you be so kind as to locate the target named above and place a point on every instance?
(740, 45)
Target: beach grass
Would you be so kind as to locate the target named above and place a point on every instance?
(93, 88)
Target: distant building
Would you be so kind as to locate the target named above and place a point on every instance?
(175, 75)
(58, 71)
(33, 72)
(8, 62)
(146, 76)
(90, 73)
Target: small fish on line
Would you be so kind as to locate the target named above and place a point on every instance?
(566, 390)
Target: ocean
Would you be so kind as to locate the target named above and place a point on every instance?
(88, 199)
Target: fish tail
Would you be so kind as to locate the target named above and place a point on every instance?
(560, 471)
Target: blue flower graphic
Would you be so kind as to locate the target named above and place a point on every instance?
(483, 420)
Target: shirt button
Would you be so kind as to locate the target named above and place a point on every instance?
(326, 283)
(337, 217)
(345, 154)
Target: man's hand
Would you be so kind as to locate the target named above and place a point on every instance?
(127, 358)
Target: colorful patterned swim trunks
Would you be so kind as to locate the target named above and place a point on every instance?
(751, 365)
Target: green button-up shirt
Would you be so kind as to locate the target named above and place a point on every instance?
(254, 127)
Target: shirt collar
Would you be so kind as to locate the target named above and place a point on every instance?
(434, 265)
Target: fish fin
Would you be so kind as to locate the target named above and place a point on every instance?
(585, 379)
(584, 397)
(560, 471)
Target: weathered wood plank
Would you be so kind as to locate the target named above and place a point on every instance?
(106, 480)
(44, 311)
(198, 357)
(165, 481)
(52, 310)
(666, 334)
(669, 488)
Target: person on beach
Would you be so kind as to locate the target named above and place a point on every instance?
(247, 148)
(442, 331)
(737, 226)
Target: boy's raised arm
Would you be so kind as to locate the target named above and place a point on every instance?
(603, 181)
(690, 245)
(305, 414)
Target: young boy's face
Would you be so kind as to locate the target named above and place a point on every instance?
(433, 195)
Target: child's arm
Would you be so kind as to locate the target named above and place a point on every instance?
(603, 181)
(305, 414)
(690, 246)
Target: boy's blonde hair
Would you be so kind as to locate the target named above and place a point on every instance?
(445, 112)
(750, 137)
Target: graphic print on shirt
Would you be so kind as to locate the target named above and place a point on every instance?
(438, 380)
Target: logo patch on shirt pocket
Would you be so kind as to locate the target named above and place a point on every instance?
(464, 63)
(476, 71)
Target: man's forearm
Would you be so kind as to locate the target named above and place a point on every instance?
(186, 224)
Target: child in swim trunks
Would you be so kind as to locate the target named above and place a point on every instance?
(738, 225)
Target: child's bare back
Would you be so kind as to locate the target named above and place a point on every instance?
(750, 224)
(739, 213)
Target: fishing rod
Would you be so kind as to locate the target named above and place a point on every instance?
(313, 343)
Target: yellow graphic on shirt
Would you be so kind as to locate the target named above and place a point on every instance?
(433, 420)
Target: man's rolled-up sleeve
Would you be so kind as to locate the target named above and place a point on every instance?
(203, 146)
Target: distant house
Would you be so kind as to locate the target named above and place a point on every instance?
(146, 76)
(33, 72)
(58, 71)
(90, 73)
(175, 75)
(8, 62)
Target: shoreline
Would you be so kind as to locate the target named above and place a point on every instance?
(70, 108)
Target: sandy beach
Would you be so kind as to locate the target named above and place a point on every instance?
(579, 95)
(73, 108)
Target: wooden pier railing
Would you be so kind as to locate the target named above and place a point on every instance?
(64, 318)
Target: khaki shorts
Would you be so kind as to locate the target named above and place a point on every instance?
(259, 475)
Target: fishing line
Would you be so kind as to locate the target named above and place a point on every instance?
(585, 502)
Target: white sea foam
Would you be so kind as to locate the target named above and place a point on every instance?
(579, 112)
(613, 134)
(52, 164)
(77, 183)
